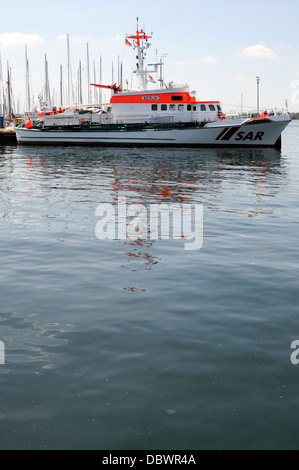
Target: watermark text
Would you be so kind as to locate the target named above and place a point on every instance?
(124, 221)
(2, 353)
(295, 354)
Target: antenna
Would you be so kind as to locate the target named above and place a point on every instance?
(138, 43)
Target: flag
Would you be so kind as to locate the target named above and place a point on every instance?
(128, 43)
(150, 79)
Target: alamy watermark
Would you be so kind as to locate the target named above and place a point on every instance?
(124, 221)
(295, 354)
(2, 353)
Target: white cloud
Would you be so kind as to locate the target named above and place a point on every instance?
(17, 39)
(208, 59)
(259, 51)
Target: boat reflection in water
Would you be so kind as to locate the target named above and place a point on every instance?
(232, 181)
(157, 175)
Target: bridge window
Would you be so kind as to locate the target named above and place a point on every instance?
(154, 107)
(203, 107)
(212, 107)
(163, 107)
(177, 98)
(172, 107)
(181, 107)
(189, 107)
(194, 108)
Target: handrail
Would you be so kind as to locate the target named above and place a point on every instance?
(230, 115)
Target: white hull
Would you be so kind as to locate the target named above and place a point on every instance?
(223, 134)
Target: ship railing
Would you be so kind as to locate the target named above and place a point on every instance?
(61, 120)
(142, 118)
(231, 115)
(78, 119)
(162, 119)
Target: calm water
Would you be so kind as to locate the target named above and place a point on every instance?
(143, 345)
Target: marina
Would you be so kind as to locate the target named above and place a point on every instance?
(8, 136)
(165, 115)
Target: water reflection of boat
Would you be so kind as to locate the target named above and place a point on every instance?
(224, 180)
(169, 176)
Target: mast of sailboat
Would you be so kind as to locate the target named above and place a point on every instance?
(9, 92)
(2, 100)
(60, 88)
(47, 96)
(68, 71)
(28, 99)
(100, 90)
(121, 75)
(95, 79)
(80, 83)
(88, 76)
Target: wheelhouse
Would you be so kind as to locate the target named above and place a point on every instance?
(177, 105)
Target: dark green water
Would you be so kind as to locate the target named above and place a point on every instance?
(143, 345)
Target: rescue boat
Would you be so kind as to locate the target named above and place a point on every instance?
(166, 116)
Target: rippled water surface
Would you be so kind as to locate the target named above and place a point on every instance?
(142, 344)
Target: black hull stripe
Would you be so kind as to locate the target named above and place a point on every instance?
(232, 132)
(222, 133)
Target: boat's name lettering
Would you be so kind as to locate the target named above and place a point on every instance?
(227, 133)
(150, 98)
(250, 136)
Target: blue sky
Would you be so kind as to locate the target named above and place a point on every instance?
(217, 47)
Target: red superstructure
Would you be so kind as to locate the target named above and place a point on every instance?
(167, 98)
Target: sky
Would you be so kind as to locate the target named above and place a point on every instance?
(218, 48)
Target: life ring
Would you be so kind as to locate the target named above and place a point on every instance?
(107, 119)
(81, 121)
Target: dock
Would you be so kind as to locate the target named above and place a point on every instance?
(8, 136)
